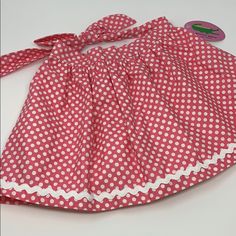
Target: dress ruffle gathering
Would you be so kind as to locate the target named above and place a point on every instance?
(121, 125)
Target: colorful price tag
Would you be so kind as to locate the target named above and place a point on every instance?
(205, 30)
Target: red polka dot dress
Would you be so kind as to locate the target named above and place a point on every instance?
(122, 125)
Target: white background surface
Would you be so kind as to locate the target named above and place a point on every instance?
(207, 209)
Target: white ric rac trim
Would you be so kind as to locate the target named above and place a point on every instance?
(117, 192)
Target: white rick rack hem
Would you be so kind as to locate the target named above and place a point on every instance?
(117, 192)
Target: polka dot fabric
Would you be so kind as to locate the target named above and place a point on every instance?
(119, 126)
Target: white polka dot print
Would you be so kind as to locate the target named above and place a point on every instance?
(119, 126)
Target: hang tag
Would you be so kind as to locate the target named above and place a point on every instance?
(205, 30)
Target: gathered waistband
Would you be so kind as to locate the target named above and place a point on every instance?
(108, 29)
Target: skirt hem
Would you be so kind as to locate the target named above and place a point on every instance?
(201, 173)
